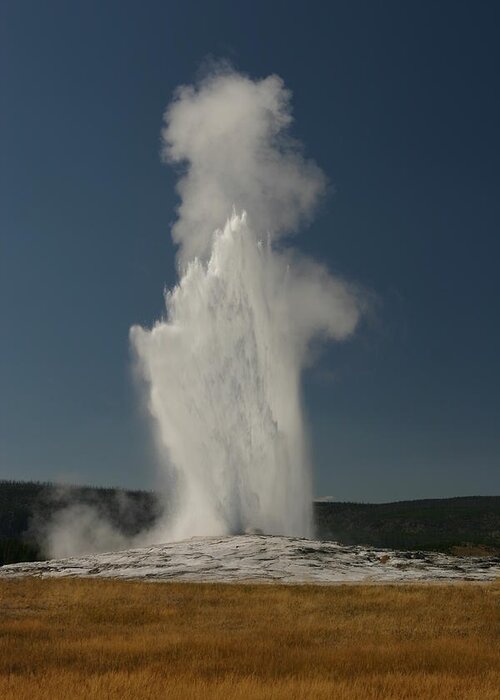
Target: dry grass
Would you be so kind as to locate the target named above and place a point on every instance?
(77, 638)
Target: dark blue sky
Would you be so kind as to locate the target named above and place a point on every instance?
(399, 104)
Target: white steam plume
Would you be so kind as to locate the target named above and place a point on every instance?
(80, 529)
(223, 368)
(232, 134)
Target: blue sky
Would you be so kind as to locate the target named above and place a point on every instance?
(398, 102)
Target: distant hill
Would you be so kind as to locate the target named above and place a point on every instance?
(457, 525)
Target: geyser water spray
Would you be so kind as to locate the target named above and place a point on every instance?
(222, 370)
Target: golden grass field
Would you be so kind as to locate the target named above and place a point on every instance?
(83, 638)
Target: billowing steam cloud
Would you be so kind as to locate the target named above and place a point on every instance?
(232, 134)
(223, 368)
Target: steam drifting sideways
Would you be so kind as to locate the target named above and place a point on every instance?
(222, 370)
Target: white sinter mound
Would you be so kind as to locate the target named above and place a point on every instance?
(248, 558)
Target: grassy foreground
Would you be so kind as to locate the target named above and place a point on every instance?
(82, 638)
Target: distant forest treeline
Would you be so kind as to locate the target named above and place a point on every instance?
(457, 525)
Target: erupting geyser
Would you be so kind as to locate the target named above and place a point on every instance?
(223, 368)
